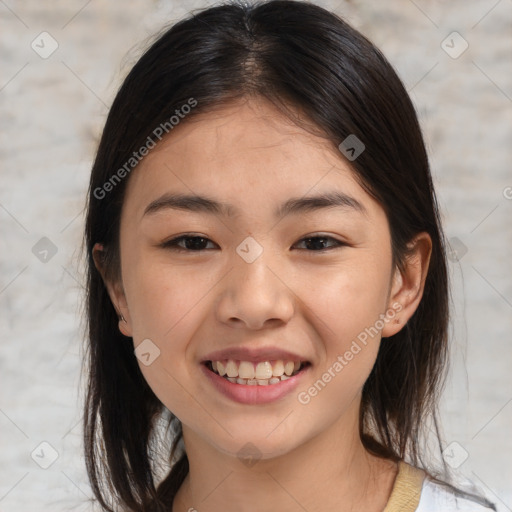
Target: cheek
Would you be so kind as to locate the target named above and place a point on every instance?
(348, 299)
(165, 307)
(162, 298)
(345, 308)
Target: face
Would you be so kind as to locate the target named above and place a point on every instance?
(267, 275)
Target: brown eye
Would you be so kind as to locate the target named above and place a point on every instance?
(187, 243)
(317, 243)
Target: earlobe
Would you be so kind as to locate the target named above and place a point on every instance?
(115, 291)
(408, 283)
(124, 327)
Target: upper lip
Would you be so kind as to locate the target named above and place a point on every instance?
(253, 354)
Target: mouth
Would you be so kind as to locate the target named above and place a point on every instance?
(252, 373)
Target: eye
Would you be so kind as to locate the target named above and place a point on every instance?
(191, 243)
(195, 243)
(316, 243)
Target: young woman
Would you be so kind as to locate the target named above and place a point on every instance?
(267, 275)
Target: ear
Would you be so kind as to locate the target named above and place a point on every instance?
(115, 291)
(408, 284)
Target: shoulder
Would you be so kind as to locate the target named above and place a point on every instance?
(439, 497)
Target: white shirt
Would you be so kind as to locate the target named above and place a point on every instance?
(438, 498)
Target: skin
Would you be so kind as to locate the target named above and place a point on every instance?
(311, 302)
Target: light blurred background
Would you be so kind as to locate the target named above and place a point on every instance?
(53, 106)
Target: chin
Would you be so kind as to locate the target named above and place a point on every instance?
(256, 444)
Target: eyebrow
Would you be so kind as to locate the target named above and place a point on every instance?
(296, 205)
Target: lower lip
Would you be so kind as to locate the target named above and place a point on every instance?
(254, 394)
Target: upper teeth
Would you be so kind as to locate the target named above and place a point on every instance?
(249, 370)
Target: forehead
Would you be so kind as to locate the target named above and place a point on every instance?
(248, 153)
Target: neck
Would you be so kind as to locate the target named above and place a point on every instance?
(331, 471)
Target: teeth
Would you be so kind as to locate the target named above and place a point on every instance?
(246, 370)
(263, 370)
(288, 367)
(263, 373)
(232, 369)
(278, 368)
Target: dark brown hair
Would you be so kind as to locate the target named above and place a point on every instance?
(302, 58)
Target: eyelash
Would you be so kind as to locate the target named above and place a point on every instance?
(173, 243)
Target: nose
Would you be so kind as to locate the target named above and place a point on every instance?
(254, 296)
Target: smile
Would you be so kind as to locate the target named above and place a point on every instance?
(250, 373)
